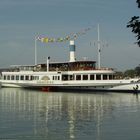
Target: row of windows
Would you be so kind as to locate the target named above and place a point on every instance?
(87, 77)
(27, 77)
(64, 77)
(20, 77)
(56, 78)
(94, 77)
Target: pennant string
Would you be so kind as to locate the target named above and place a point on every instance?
(63, 39)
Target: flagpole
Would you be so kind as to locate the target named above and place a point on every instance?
(99, 49)
(35, 50)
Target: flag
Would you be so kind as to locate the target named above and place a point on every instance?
(46, 40)
(63, 39)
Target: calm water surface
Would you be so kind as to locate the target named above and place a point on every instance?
(35, 115)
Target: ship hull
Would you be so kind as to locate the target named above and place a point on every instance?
(128, 87)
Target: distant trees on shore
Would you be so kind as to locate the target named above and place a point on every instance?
(131, 73)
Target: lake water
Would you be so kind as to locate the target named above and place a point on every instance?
(35, 115)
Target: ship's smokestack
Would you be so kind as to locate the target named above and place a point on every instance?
(72, 51)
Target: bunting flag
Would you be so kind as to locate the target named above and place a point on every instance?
(73, 36)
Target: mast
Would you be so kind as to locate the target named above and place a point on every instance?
(99, 48)
(35, 51)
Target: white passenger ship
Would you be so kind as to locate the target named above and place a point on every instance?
(72, 75)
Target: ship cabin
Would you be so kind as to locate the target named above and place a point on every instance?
(68, 66)
(67, 71)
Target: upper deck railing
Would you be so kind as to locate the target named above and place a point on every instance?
(74, 66)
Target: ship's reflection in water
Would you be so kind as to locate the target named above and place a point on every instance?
(26, 114)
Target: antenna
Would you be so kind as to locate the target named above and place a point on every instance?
(35, 50)
(99, 48)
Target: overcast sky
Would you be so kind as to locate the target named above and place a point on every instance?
(22, 20)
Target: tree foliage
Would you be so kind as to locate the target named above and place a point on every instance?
(132, 72)
(134, 24)
(137, 70)
(129, 73)
(138, 2)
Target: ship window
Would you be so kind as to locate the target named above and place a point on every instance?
(113, 76)
(92, 77)
(4, 77)
(104, 77)
(110, 77)
(8, 77)
(31, 78)
(26, 77)
(98, 77)
(64, 77)
(17, 77)
(85, 77)
(55, 77)
(12, 77)
(22, 77)
(78, 77)
(37, 78)
(71, 77)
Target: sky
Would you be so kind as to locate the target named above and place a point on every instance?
(21, 21)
